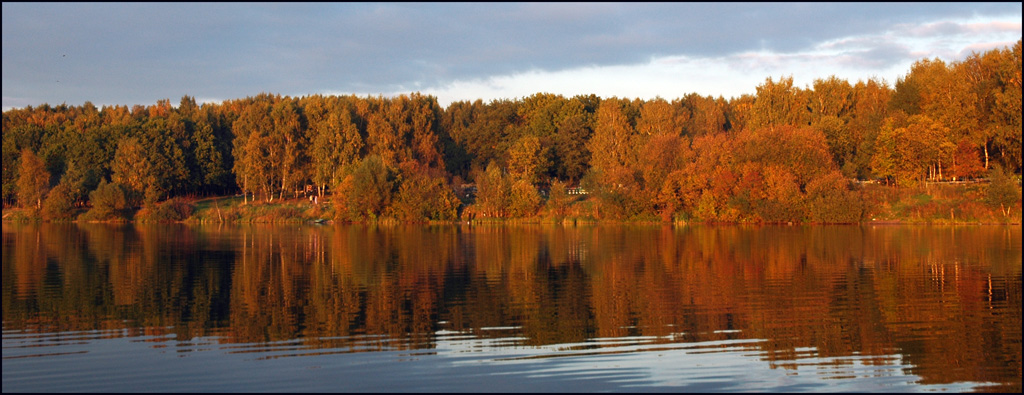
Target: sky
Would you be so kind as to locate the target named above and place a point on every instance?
(138, 53)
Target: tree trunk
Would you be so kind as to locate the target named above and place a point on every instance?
(954, 166)
(216, 204)
(284, 176)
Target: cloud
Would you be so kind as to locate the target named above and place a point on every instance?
(949, 28)
(995, 27)
(18, 102)
(141, 52)
(983, 47)
(885, 54)
(668, 78)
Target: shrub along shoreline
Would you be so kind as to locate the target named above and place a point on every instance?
(939, 204)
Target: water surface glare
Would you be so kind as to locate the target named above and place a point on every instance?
(513, 308)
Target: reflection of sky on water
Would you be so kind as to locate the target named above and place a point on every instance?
(458, 362)
(639, 363)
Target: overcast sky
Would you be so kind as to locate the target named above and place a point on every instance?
(138, 53)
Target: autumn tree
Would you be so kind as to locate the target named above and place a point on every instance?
(612, 147)
(573, 129)
(830, 199)
(661, 155)
(33, 180)
(382, 140)
(526, 160)
(131, 169)
(775, 105)
(168, 158)
(59, 203)
(966, 162)
(336, 143)
(783, 200)
(524, 199)
(368, 190)
(1004, 119)
(425, 196)
(615, 179)
(425, 137)
(830, 97)
(494, 191)
(739, 114)
(10, 168)
(487, 137)
(830, 103)
(211, 144)
(908, 150)
(254, 150)
(870, 103)
(915, 92)
(968, 89)
(679, 194)
(803, 151)
(558, 200)
(1002, 191)
(109, 201)
(454, 123)
(689, 191)
(290, 139)
(658, 117)
(540, 114)
(538, 118)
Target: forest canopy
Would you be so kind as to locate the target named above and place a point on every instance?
(786, 153)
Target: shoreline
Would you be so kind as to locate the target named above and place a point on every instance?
(572, 222)
(877, 205)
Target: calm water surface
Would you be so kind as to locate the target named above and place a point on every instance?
(511, 308)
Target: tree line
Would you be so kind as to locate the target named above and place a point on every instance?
(784, 153)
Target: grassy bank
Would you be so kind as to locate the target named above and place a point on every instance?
(233, 209)
(938, 203)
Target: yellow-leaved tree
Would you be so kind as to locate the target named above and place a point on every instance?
(33, 180)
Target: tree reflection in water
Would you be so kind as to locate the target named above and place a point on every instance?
(947, 300)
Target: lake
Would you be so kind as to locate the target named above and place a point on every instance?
(511, 308)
